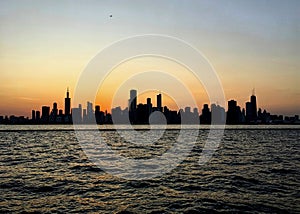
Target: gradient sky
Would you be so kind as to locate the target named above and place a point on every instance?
(45, 45)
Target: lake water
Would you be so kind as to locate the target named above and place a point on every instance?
(255, 169)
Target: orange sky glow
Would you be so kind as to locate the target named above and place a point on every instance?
(46, 46)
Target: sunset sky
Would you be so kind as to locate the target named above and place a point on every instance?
(45, 45)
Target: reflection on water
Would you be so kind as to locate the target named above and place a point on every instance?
(47, 171)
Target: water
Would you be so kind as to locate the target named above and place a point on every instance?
(256, 169)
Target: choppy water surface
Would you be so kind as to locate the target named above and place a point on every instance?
(43, 169)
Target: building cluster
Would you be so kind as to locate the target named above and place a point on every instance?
(140, 113)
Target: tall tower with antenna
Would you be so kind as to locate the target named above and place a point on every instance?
(67, 103)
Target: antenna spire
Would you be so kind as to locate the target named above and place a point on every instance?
(67, 92)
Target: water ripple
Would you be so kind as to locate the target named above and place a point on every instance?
(255, 170)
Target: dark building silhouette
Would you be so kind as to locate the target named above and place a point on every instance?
(54, 114)
(90, 113)
(196, 112)
(84, 116)
(254, 107)
(33, 115)
(149, 106)
(205, 117)
(99, 115)
(233, 112)
(159, 102)
(119, 116)
(218, 115)
(45, 114)
(251, 110)
(142, 114)
(55, 110)
(132, 105)
(37, 115)
(77, 114)
(139, 114)
(67, 104)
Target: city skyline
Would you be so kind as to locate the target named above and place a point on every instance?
(46, 45)
(139, 113)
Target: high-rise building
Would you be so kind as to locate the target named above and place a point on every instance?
(232, 113)
(132, 105)
(84, 116)
(133, 100)
(159, 103)
(45, 113)
(205, 117)
(251, 109)
(77, 114)
(149, 106)
(254, 106)
(54, 110)
(249, 113)
(218, 115)
(67, 104)
(90, 112)
(37, 115)
(187, 109)
(33, 115)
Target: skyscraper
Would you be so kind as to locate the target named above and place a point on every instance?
(67, 104)
(45, 113)
(232, 113)
(33, 115)
(158, 100)
(90, 112)
(132, 105)
(149, 106)
(254, 106)
(251, 109)
(249, 112)
(54, 110)
(132, 100)
(205, 117)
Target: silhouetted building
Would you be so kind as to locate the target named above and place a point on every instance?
(67, 104)
(142, 114)
(205, 117)
(254, 106)
(84, 116)
(132, 105)
(77, 114)
(99, 115)
(90, 113)
(251, 110)
(55, 110)
(159, 102)
(53, 114)
(196, 112)
(218, 115)
(37, 115)
(119, 116)
(233, 112)
(33, 115)
(45, 114)
(149, 106)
